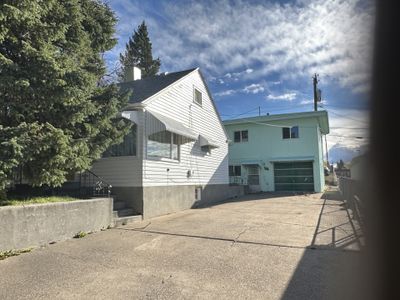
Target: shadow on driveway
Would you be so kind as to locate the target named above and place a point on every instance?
(337, 274)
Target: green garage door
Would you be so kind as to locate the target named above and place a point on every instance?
(294, 176)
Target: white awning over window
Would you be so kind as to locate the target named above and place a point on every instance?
(207, 142)
(156, 122)
(293, 158)
(251, 162)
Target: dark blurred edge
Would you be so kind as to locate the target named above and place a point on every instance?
(383, 177)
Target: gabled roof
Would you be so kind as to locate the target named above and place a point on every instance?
(321, 115)
(147, 87)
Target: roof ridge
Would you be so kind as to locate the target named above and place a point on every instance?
(149, 86)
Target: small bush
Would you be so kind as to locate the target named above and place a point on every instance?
(80, 235)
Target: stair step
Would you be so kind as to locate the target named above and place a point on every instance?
(127, 220)
(123, 212)
(118, 205)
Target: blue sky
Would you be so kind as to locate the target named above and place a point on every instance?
(264, 53)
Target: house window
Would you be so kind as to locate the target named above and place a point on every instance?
(197, 193)
(290, 132)
(126, 148)
(241, 136)
(235, 170)
(164, 144)
(198, 97)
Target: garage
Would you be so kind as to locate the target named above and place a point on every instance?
(294, 176)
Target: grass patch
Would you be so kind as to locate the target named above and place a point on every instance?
(80, 235)
(9, 253)
(36, 200)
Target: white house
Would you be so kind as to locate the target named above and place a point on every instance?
(177, 152)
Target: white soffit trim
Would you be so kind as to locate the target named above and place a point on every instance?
(156, 122)
(133, 116)
(205, 141)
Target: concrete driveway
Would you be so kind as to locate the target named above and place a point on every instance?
(258, 247)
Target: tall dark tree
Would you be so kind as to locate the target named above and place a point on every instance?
(55, 118)
(138, 52)
(340, 164)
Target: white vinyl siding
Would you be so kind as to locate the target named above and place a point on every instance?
(206, 168)
(119, 171)
(123, 171)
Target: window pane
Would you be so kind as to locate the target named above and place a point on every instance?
(286, 133)
(198, 96)
(238, 171)
(252, 169)
(231, 171)
(237, 137)
(159, 144)
(253, 180)
(126, 148)
(175, 146)
(294, 132)
(245, 136)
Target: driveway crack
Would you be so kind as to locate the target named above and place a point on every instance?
(240, 233)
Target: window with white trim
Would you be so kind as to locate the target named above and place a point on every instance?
(235, 170)
(198, 97)
(164, 144)
(241, 136)
(290, 132)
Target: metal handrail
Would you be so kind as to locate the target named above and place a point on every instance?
(99, 185)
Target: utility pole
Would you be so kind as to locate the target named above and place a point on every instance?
(259, 111)
(326, 148)
(315, 82)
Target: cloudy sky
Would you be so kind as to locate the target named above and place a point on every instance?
(264, 53)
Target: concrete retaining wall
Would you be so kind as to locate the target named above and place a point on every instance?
(161, 200)
(39, 224)
(214, 193)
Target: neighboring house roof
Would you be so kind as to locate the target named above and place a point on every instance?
(144, 88)
(321, 115)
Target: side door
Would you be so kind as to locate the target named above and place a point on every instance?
(253, 178)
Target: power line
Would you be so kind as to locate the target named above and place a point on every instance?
(241, 114)
(346, 117)
(266, 109)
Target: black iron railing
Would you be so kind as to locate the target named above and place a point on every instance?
(351, 191)
(92, 185)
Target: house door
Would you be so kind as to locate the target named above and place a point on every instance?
(253, 178)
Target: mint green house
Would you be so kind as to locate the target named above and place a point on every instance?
(278, 152)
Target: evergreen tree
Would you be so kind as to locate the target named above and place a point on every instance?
(138, 53)
(55, 118)
(340, 164)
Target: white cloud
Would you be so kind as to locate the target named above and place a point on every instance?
(252, 40)
(324, 36)
(225, 93)
(283, 97)
(254, 88)
(348, 128)
(304, 102)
